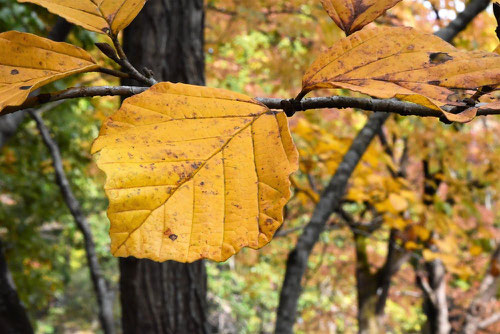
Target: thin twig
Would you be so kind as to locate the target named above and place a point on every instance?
(124, 62)
(103, 293)
(115, 73)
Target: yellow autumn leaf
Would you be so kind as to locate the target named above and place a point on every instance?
(28, 62)
(100, 16)
(194, 172)
(429, 255)
(421, 232)
(398, 203)
(352, 15)
(411, 245)
(401, 62)
(475, 250)
(396, 222)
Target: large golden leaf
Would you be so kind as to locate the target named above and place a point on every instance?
(403, 63)
(28, 62)
(194, 172)
(352, 15)
(96, 15)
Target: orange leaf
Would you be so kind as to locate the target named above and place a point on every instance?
(194, 172)
(101, 16)
(403, 63)
(28, 62)
(352, 15)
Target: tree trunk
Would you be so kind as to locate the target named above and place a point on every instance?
(170, 297)
(13, 317)
(435, 303)
(366, 286)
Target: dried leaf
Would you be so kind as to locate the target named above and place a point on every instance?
(96, 15)
(352, 15)
(28, 62)
(194, 172)
(402, 63)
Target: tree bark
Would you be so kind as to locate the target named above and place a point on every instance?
(13, 317)
(167, 37)
(373, 288)
(435, 303)
(487, 291)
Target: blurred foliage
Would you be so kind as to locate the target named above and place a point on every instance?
(262, 48)
(43, 246)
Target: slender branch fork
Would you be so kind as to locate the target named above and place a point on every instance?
(370, 104)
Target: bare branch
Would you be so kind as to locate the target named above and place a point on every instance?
(340, 102)
(76, 92)
(115, 73)
(127, 66)
(463, 19)
(489, 321)
(104, 295)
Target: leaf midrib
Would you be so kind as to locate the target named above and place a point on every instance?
(246, 126)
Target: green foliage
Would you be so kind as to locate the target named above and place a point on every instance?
(44, 247)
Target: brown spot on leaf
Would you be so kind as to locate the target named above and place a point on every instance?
(24, 87)
(173, 237)
(167, 232)
(14, 72)
(434, 82)
(439, 57)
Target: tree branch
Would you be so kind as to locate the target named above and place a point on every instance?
(462, 19)
(340, 102)
(329, 203)
(125, 64)
(104, 295)
(487, 291)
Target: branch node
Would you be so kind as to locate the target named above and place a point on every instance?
(291, 106)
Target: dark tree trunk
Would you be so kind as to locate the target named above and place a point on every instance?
(169, 297)
(13, 317)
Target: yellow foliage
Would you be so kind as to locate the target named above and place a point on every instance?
(100, 16)
(395, 222)
(352, 15)
(422, 233)
(411, 245)
(398, 203)
(401, 62)
(194, 172)
(28, 62)
(475, 250)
